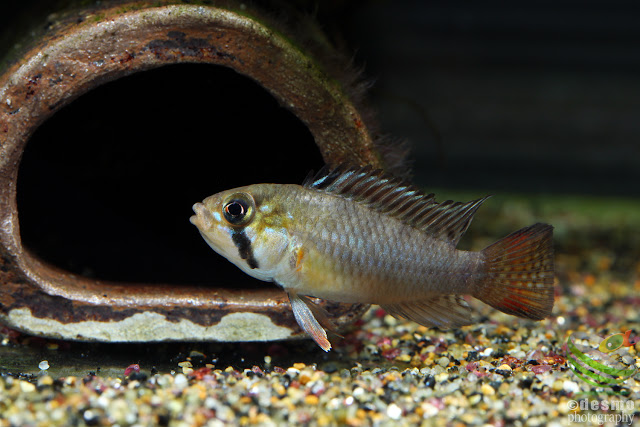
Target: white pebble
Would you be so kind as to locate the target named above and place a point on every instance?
(180, 381)
(334, 404)
(394, 412)
(88, 415)
(210, 403)
(44, 365)
(225, 413)
(102, 401)
(571, 386)
(175, 407)
(486, 352)
(429, 410)
(58, 414)
(164, 381)
(27, 387)
(358, 391)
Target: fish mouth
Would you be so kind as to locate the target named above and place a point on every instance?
(202, 219)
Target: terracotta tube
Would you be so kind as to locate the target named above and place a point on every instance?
(98, 47)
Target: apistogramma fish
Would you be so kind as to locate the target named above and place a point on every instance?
(355, 235)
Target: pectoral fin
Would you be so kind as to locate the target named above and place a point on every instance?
(442, 311)
(304, 315)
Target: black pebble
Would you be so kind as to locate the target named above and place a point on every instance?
(429, 381)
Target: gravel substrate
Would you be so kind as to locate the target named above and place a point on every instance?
(501, 372)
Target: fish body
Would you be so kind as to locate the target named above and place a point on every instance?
(355, 235)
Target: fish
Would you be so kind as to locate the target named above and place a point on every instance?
(616, 341)
(354, 234)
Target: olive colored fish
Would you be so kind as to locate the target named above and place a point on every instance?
(355, 235)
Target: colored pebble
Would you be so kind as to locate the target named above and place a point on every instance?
(443, 361)
(487, 390)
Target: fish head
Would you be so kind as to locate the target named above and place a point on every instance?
(240, 224)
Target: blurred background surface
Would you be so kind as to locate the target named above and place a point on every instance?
(526, 96)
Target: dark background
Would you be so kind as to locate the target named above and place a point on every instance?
(528, 96)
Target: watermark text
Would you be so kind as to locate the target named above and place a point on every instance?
(584, 411)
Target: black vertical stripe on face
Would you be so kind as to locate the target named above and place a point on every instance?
(243, 244)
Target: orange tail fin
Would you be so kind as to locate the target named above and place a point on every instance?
(519, 275)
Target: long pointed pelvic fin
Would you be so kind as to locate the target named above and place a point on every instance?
(445, 221)
(519, 275)
(305, 317)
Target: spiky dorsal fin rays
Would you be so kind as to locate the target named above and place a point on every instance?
(446, 221)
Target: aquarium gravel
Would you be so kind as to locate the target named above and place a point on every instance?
(500, 372)
(384, 371)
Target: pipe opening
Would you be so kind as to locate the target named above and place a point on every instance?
(106, 185)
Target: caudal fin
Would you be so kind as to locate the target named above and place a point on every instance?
(519, 276)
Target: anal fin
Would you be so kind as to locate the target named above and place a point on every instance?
(441, 311)
(304, 310)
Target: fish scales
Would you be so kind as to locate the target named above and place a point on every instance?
(355, 235)
(359, 255)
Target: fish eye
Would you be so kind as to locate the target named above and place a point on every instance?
(235, 209)
(238, 209)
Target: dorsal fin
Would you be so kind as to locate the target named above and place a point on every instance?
(446, 221)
